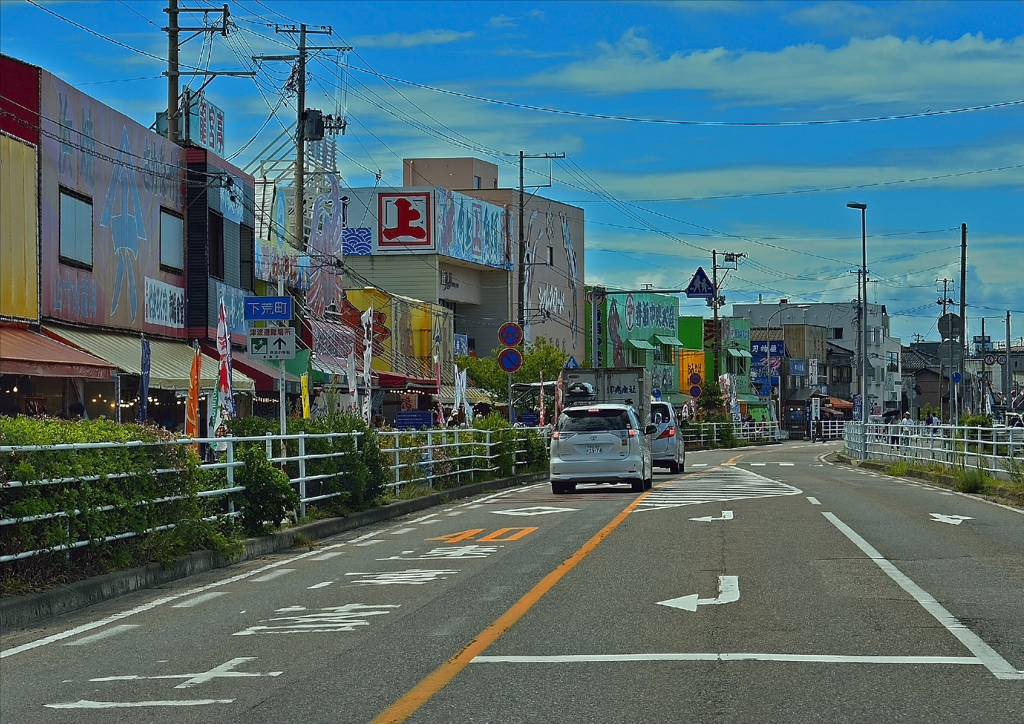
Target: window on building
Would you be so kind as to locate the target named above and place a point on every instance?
(75, 229)
(638, 357)
(246, 254)
(834, 333)
(476, 182)
(892, 361)
(551, 256)
(495, 184)
(216, 245)
(172, 242)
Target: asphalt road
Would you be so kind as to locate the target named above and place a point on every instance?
(762, 585)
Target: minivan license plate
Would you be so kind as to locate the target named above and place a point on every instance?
(593, 449)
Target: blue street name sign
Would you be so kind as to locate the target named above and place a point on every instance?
(268, 309)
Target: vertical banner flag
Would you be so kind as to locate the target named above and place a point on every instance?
(367, 319)
(457, 401)
(305, 396)
(224, 400)
(559, 393)
(353, 385)
(192, 405)
(468, 408)
(541, 404)
(144, 382)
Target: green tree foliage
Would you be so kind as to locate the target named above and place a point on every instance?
(539, 357)
(710, 402)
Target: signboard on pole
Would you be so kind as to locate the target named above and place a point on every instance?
(510, 334)
(268, 309)
(700, 286)
(271, 343)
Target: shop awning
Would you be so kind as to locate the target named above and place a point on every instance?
(639, 344)
(670, 341)
(475, 395)
(264, 375)
(751, 400)
(329, 366)
(738, 353)
(26, 353)
(170, 362)
(839, 404)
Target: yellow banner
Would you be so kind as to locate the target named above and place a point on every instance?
(305, 395)
(691, 361)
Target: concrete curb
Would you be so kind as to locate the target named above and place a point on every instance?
(23, 612)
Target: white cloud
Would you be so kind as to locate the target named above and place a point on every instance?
(537, 15)
(410, 40)
(941, 73)
(503, 21)
(843, 18)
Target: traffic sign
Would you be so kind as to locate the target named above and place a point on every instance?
(695, 378)
(950, 352)
(1001, 359)
(990, 359)
(510, 334)
(572, 364)
(268, 309)
(957, 378)
(700, 286)
(951, 326)
(510, 359)
(656, 394)
(695, 391)
(271, 343)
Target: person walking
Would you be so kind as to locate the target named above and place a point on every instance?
(906, 430)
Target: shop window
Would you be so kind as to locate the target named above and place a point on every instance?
(172, 247)
(75, 229)
(216, 245)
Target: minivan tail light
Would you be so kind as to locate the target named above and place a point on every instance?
(632, 432)
(670, 431)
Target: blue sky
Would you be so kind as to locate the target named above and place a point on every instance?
(658, 197)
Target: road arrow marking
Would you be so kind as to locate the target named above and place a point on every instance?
(728, 592)
(726, 515)
(536, 510)
(951, 519)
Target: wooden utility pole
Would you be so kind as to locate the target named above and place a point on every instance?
(172, 70)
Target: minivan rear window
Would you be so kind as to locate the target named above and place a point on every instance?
(663, 409)
(593, 420)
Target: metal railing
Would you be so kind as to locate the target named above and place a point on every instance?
(950, 446)
(712, 434)
(435, 457)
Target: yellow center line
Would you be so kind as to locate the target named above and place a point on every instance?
(439, 678)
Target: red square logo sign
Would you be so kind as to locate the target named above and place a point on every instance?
(404, 221)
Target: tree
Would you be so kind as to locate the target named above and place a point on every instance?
(710, 402)
(539, 357)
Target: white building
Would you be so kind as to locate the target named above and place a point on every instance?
(842, 325)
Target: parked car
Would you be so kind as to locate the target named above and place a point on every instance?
(603, 444)
(668, 448)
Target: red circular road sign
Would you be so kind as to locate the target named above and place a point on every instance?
(695, 391)
(510, 359)
(510, 335)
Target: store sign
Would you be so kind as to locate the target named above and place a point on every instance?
(405, 221)
(165, 304)
(206, 124)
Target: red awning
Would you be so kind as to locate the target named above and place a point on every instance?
(839, 404)
(26, 353)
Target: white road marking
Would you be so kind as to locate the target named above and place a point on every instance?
(789, 658)
(453, 514)
(86, 704)
(995, 663)
(272, 575)
(728, 592)
(698, 465)
(475, 505)
(202, 598)
(112, 631)
(422, 518)
(324, 584)
(224, 671)
(536, 510)
(717, 486)
(372, 542)
(726, 515)
(951, 519)
(367, 536)
(945, 493)
(813, 501)
(335, 619)
(786, 465)
(401, 531)
(411, 576)
(327, 556)
(757, 465)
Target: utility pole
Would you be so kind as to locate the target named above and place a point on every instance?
(173, 72)
(963, 292)
(944, 300)
(717, 300)
(1007, 370)
(522, 227)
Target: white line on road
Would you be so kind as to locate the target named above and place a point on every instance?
(813, 500)
(757, 465)
(325, 584)
(698, 465)
(788, 658)
(787, 465)
(272, 575)
(400, 531)
(113, 631)
(371, 542)
(995, 663)
(327, 556)
(454, 513)
(86, 704)
(203, 598)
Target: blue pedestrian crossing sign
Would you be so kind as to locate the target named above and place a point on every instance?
(572, 364)
(700, 286)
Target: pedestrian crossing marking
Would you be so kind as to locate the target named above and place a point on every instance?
(717, 486)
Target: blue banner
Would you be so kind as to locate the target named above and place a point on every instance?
(144, 383)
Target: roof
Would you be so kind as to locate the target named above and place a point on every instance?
(804, 393)
(914, 359)
(26, 353)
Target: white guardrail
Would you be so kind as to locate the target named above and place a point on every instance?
(711, 433)
(424, 457)
(987, 448)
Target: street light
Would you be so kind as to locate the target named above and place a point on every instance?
(864, 309)
(768, 347)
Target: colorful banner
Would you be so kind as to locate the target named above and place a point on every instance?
(305, 396)
(223, 398)
(192, 404)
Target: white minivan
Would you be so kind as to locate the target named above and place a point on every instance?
(603, 443)
(668, 447)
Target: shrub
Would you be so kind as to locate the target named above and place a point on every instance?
(267, 496)
(897, 469)
(970, 480)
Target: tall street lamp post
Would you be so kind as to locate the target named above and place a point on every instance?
(863, 319)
